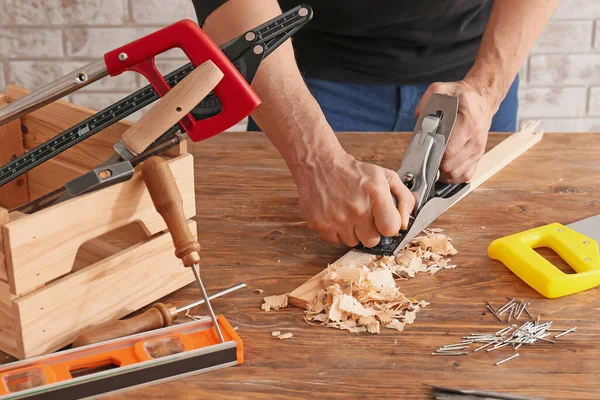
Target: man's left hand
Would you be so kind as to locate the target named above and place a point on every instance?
(469, 137)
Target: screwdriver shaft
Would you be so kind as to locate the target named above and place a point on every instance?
(207, 301)
(211, 297)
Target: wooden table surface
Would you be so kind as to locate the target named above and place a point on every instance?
(251, 231)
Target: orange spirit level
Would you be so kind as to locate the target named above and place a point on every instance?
(123, 363)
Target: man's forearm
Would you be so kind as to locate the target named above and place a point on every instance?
(289, 115)
(513, 28)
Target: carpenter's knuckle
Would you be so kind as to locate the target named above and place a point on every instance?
(321, 225)
(355, 209)
(339, 217)
(436, 86)
(454, 174)
(371, 186)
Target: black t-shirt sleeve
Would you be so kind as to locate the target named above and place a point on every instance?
(205, 7)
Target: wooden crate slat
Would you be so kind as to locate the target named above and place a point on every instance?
(4, 218)
(16, 192)
(8, 334)
(108, 244)
(42, 249)
(108, 290)
(51, 175)
(54, 118)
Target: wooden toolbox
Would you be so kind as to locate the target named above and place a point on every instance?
(90, 259)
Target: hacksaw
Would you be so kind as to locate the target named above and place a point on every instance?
(216, 113)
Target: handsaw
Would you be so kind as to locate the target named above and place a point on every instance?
(216, 113)
(576, 244)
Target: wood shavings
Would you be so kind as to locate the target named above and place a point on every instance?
(275, 302)
(258, 291)
(365, 298)
(425, 253)
(285, 336)
(194, 317)
(275, 333)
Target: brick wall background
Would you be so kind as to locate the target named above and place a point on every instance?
(41, 40)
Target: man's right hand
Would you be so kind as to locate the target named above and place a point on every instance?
(344, 200)
(347, 201)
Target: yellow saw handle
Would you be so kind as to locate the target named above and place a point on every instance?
(579, 251)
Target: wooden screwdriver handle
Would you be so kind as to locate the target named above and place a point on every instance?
(172, 107)
(159, 316)
(167, 201)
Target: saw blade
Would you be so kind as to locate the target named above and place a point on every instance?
(589, 227)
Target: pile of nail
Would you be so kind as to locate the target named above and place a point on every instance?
(528, 333)
(514, 308)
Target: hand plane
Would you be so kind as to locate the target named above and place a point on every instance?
(420, 172)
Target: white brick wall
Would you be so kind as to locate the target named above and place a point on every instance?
(561, 83)
(41, 40)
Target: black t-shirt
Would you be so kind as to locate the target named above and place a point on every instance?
(385, 41)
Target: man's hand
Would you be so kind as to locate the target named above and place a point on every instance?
(469, 137)
(347, 201)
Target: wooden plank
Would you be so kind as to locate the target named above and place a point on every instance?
(8, 336)
(108, 244)
(3, 220)
(51, 175)
(43, 246)
(16, 192)
(491, 162)
(54, 118)
(51, 317)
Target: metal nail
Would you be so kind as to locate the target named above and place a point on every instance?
(499, 345)
(504, 307)
(507, 359)
(451, 349)
(521, 309)
(494, 312)
(450, 354)
(565, 332)
(546, 340)
(527, 311)
(457, 344)
(485, 345)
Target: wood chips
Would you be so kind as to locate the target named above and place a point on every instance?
(365, 298)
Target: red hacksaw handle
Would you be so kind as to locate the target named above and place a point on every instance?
(237, 98)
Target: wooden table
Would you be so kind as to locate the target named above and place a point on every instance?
(251, 231)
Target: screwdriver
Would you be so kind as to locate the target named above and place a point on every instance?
(158, 316)
(167, 201)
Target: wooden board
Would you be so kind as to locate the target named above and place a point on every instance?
(51, 175)
(492, 162)
(54, 118)
(41, 250)
(50, 319)
(16, 192)
(251, 230)
(4, 218)
(8, 336)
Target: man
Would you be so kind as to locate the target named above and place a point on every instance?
(371, 66)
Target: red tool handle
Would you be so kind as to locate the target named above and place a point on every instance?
(237, 98)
